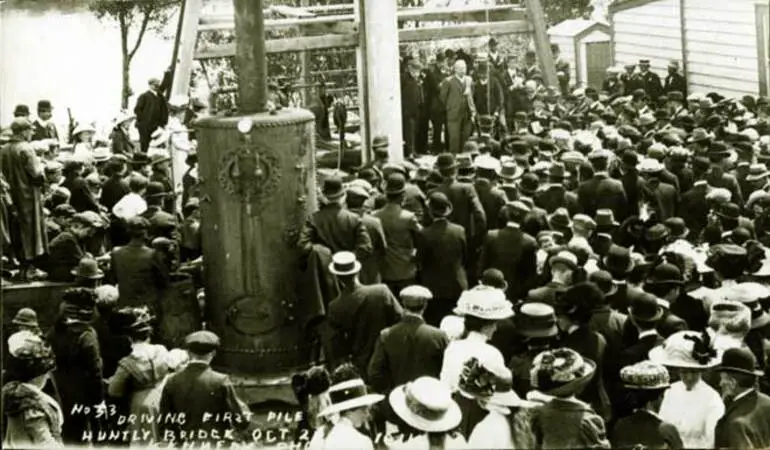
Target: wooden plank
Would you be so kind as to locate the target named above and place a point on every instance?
(478, 14)
(351, 39)
(183, 52)
(542, 45)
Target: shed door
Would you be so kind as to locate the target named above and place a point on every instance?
(598, 58)
(763, 48)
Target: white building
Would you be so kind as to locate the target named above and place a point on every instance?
(585, 45)
(722, 45)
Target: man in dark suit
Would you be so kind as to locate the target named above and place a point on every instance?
(436, 113)
(457, 97)
(675, 81)
(601, 191)
(664, 197)
(206, 397)
(370, 266)
(358, 314)
(746, 422)
(442, 255)
(43, 127)
(694, 208)
(645, 313)
(512, 251)
(70, 246)
(555, 195)
(466, 207)
(413, 109)
(333, 226)
(139, 270)
(515, 95)
(650, 80)
(409, 349)
(151, 113)
(666, 282)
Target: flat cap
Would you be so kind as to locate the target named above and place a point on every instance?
(89, 218)
(201, 342)
(415, 296)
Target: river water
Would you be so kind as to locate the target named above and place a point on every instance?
(58, 50)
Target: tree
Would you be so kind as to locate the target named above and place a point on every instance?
(138, 16)
(559, 10)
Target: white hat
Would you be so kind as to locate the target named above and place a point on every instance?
(487, 162)
(82, 128)
(350, 394)
(426, 405)
(650, 165)
(679, 350)
(344, 263)
(20, 339)
(124, 116)
(179, 101)
(484, 302)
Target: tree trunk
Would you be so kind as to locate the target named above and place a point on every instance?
(126, 58)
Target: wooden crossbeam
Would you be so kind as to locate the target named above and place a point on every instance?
(476, 14)
(351, 39)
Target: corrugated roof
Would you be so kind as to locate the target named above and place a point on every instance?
(572, 27)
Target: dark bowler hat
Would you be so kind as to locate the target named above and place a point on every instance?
(618, 261)
(557, 172)
(665, 273)
(415, 296)
(333, 188)
(439, 204)
(740, 360)
(644, 307)
(154, 189)
(494, 278)
(729, 211)
(25, 317)
(677, 226)
(603, 280)
(21, 111)
(20, 124)
(380, 143)
(395, 184)
(44, 105)
(486, 122)
(140, 158)
(201, 342)
(536, 320)
(529, 183)
(88, 268)
(718, 149)
(446, 162)
(629, 158)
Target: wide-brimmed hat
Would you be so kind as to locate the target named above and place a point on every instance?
(740, 360)
(645, 376)
(645, 307)
(88, 268)
(729, 211)
(124, 116)
(536, 320)
(686, 349)
(618, 261)
(605, 218)
(350, 394)
(78, 303)
(101, 154)
(700, 135)
(426, 404)
(529, 183)
(139, 158)
(489, 383)
(136, 320)
(380, 142)
(439, 204)
(650, 166)
(30, 356)
(344, 263)
(510, 171)
(25, 317)
(752, 294)
(484, 302)
(446, 162)
(665, 274)
(561, 372)
(603, 280)
(83, 128)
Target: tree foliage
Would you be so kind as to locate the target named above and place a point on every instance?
(560, 10)
(134, 17)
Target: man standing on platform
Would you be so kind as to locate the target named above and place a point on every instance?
(650, 80)
(675, 81)
(151, 113)
(413, 108)
(456, 95)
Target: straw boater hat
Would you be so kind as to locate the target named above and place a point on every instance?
(561, 372)
(645, 376)
(426, 404)
(344, 263)
(350, 394)
(484, 302)
(536, 320)
(686, 350)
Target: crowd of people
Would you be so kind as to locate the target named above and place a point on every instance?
(588, 269)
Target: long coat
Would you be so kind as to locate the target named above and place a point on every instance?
(141, 275)
(24, 173)
(336, 229)
(151, 112)
(601, 192)
(514, 253)
(442, 255)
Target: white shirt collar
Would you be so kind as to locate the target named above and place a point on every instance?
(646, 333)
(513, 225)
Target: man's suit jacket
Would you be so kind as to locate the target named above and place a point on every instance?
(514, 253)
(694, 208)
(337, 229)
(729, 182)
(356, 318)
(666, 199)
(492, 201)
(64, 254)
(601, 192)
(745, 424)
(515, 98)
(553, 197)
(151, 112)
(401, 229)
(645, 430)
(466, 208)
(610, 324)
(204, 396)
(42, 131)
(442, 255)
(141, 275)
(639, 351)
(370, 265)
(412, 97)
(675, 82)
(406, 351)
(453, 94)
(651, 84)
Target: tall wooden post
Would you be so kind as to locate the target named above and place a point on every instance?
(378, 52)
(536, 16)
(185, 46)
(257, 173)
(250, 55)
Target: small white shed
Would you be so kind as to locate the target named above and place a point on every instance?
(585, 45)
(723, 46)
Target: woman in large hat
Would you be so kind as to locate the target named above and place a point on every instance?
(564, 421)
(351, 405)
(690, 404)
(120, 137)
(644, 429)
(33, 419)
(82, 138)
(426, 407)
(141, 374)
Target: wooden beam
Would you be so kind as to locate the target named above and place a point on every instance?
(542, 44)
(476, 14)
(351, 40)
